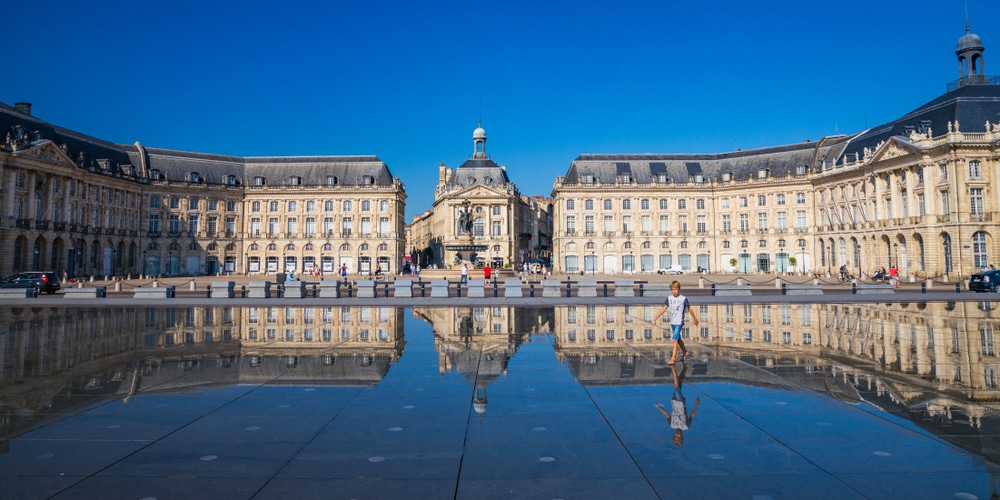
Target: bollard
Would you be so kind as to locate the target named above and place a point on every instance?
(640, 290)
(569, 285)
(923, 287)
(531, 289)
(958, 287)
(243, 291)
(314, 289)
(350, 290)
(208, 291)
(458, 289)
(421, 288)
(784, 289)
(713, 289)
(854, 288)
(194, 285)
(494, 288)
(605, 290)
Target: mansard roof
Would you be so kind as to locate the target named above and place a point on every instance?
(682, 168)
(479, 171)
(969, 105)
(176, 165)
(73, 143)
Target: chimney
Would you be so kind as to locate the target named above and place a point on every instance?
(23, 107)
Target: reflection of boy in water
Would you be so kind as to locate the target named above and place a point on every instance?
(680, 420)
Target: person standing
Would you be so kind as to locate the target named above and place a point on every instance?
(678, 305)
(343, 273)
(487, 271)
(465, 274)
(894, 276)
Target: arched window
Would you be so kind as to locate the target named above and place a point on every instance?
(383, 247)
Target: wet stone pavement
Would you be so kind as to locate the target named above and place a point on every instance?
(510, 417)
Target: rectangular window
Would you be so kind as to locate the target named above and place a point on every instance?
(293, 226)
(571, 224)
(310, 226)
(800, 220)
(975, 169)
(589, 224)
(383, 226)
(976, 201)
(154, 201)
(570, 204)
(366, 223)
(588, 204)
(609, 223)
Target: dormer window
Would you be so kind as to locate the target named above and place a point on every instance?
(588, 179)
(194, 177)
(625, 178)
(259, 180)
(800, 170)
(231, 180)
(331, 180)
(699, 178)
(155, 174)
(661, 178)
(762, 173)
(294, 180)
(367, 180)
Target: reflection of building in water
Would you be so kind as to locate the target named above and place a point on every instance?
(342, 343)
(59, 358)
(478, 342)
(933, 362)
(612, 343)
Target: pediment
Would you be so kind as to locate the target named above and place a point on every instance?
(48, 152)
(893, 148)
(480, 191)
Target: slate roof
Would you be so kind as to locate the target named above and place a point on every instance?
(479, 171)
(682, 168)
(212, 168)
(971, 105)
(92, 148)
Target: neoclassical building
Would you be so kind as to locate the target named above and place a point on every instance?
(915, 193)
(92, 208)
(507, 227)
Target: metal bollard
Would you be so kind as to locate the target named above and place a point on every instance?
(605, 290)
(958, 287)
(494, 288)
(243, 291)
(314, 291)
(784, 290)
(422, 285)
(531, 289)
(923, 287)
(569, 285)
(854, 288)
(208, 291)
(641, 292)
(713, 289)
(350, 290)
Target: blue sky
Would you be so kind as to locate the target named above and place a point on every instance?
(407, 81)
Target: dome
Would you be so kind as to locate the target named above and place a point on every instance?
(479, 133)
(969, 41)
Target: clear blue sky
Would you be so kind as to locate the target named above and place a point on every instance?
(407, 81)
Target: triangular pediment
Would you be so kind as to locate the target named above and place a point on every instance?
(480, 191)
(48, 152)
(892, 148)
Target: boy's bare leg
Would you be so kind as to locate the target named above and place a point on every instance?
(673, 355)
(684, 350)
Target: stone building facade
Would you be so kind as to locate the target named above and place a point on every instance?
(505, 226)
(91, 208)
(915, 193)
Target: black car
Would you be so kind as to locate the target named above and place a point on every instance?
(40, 281)
(988, 281)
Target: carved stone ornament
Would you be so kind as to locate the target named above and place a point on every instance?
(47, 152)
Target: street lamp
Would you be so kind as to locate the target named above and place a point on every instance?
(895, 251)
(593, 263)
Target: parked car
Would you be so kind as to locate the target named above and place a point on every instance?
(674, 269)
(988, 281)
(40, 281)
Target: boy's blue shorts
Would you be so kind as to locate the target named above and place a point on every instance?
(676, 331)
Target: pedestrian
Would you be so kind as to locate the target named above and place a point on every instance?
(416, 269)
(465, 274)
(677, 304)
(343, 273)
(487, 271)
(894, 276)
(678, 416)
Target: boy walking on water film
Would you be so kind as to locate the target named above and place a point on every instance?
(678, 306)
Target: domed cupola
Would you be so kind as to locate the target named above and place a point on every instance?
(971, 67)
(479, 141)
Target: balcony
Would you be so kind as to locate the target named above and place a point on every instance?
(59, 226)
(41, 224)
(23, 223)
